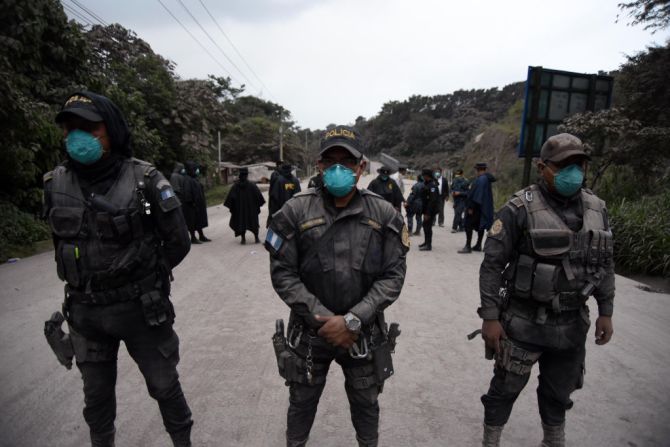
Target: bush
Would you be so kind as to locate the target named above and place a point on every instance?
(642, 234)
(217, 194)
(18, 229)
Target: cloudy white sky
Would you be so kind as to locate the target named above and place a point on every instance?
(330, 61)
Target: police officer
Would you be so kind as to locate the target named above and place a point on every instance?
(284, 186)
(553, 244)
(414, 206)
(337, 259)
(386, 187)
(430, 202)
(443, 190)
(459, 192)
(118, 232)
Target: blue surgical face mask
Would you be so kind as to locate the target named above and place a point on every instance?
(437, 175)
(339, 180)
(197, 171)
(569, 180)
(83, 147)
(183, 171)
(383, 177)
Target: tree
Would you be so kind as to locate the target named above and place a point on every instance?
(43, 59)
(654, 14)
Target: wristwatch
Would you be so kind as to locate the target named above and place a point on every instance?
(353, 323)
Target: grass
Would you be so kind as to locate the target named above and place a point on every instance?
(216, 194)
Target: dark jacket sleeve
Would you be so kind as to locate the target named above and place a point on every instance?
(168, 219)
(386, 288)
(499, 251)
(604, 293)
(285, 265)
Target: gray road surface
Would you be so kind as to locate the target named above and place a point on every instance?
(225, 316)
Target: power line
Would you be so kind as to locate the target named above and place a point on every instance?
(90, 13)
(216, 44)
(77, 15)
(197, 41)
(235, 48)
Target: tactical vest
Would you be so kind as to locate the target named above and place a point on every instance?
(104, 240)
(556, 261)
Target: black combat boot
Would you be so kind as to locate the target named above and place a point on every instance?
(256, 240)
(291, 443)
(465, 249)
(370, 443)
(181, 438)
(244, 240)
(202, 237)
(425, 248)
(492, 435)
(554, 435)
(102, 439)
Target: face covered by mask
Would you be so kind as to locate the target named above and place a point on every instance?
(569, 180)
(83, 147)
(339, 180)
(437, 175)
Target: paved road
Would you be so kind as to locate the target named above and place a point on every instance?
(225, 315)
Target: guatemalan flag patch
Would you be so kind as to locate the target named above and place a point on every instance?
(167, 193)
(273, 240)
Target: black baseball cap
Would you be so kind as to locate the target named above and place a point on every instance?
(345, 137)
(80, 106)
(481, 166)
(562, 146)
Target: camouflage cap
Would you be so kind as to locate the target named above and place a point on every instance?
(559, 147)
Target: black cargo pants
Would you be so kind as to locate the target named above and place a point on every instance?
(154, 349)
(558, 348)
(359, 384)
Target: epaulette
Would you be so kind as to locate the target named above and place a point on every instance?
(307, 192)
(148, 170)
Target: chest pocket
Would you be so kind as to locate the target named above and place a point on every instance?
(316, 254)
(65, 221)
(368, 253)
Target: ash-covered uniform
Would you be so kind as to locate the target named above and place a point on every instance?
(359, 267)
(116, 261)
(548, 254)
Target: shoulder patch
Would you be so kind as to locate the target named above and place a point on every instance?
(516, 201)
(496, 228)
(273, 241)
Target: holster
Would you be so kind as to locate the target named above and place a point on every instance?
(59, 341)
(291, 367)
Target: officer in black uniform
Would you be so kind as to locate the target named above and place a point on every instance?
(549, 250)
(430, 202)
(386, 187)
(337, 259)
(118, 232)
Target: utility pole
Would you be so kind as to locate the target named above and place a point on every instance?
(281, 142)
(218, 166)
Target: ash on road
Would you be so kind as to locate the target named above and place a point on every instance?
(226, 309)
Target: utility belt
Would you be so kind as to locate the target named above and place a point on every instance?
(569, 305)
(156, 305)
(127, 292)
(372, 346)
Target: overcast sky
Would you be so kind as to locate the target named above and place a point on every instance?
(331, 61)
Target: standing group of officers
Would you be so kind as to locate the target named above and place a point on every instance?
(338, 260)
